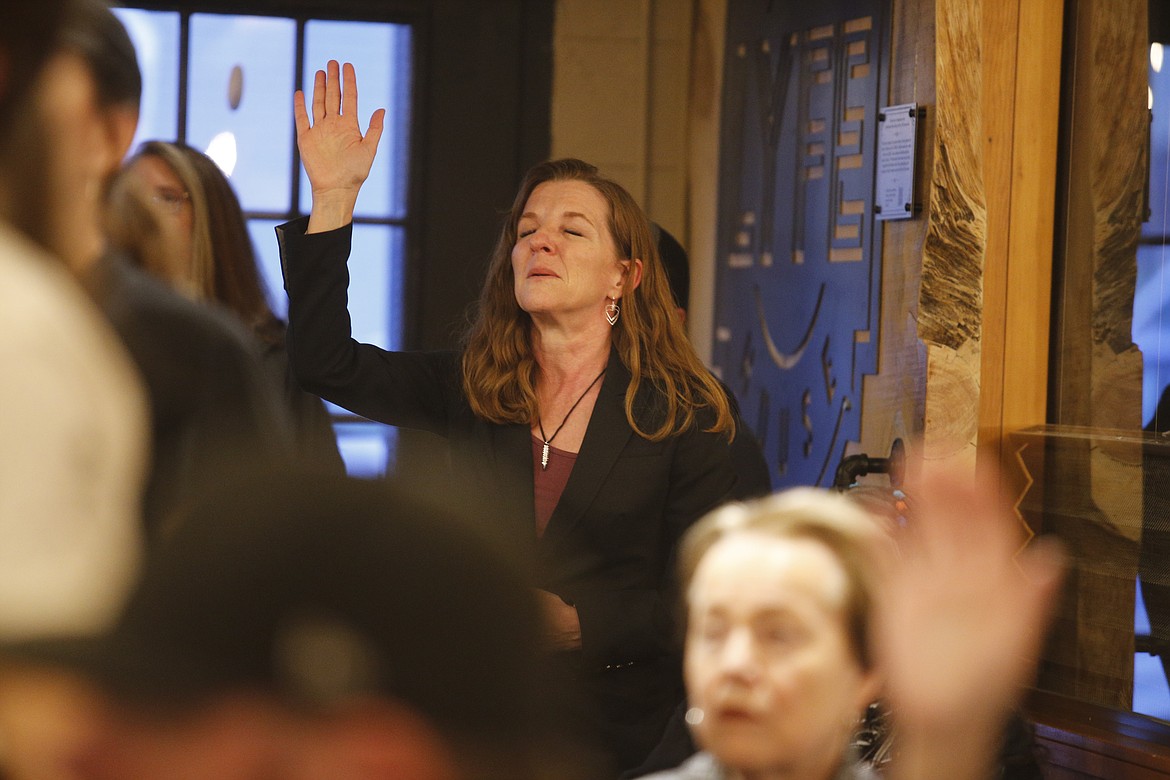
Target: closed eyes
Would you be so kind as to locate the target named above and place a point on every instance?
(569, 231)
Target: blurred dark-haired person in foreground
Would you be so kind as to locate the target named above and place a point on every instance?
(800, 612)
(72, 412)
(211, 407)
(303, 626)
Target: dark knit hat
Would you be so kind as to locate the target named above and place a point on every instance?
(316, 589)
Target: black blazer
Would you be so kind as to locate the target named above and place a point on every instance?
(212, 408)
(610, 544)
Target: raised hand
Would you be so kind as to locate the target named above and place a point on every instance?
(335, 153)
(961, 624)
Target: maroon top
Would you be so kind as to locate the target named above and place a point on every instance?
(548, 484)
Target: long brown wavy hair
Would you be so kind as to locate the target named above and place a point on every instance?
(500, 371)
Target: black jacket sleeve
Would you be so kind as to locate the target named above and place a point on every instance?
(412, 389)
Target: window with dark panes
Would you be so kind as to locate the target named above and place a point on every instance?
(223, 83)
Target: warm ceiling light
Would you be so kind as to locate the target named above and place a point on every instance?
(222, 150)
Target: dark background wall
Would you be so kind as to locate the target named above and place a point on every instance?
(485, 120)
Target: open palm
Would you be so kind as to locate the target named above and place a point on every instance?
(335, 153)
(966, 609)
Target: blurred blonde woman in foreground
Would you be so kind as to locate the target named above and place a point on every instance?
(800, 613)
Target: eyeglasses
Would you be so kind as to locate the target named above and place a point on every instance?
(170, 200)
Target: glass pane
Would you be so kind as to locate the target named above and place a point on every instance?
(375, 285)
(1151, 325)
(381, 55)
(239, 103)
(1151, 696)
(1159, 102)
(268, 256)
(367, 448)
(1098, 491)
(156, 41)
(1151, 304)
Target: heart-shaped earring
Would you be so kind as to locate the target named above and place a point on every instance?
(612, 310)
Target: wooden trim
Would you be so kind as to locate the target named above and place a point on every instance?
(1021, 105)
(1086, 740)
(1033, 205)
(1001, 33)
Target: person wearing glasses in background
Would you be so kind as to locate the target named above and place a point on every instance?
(212, 261)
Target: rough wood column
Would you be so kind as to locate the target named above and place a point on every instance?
(951, 297)
(965, 287)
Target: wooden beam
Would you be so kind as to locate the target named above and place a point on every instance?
(1021, 106)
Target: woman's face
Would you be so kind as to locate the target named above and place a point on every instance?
(164, 191)
(564, 262)
(769, 662)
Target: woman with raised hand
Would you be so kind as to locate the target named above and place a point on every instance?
(580, 422)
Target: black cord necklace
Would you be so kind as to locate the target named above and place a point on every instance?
(548, 440)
